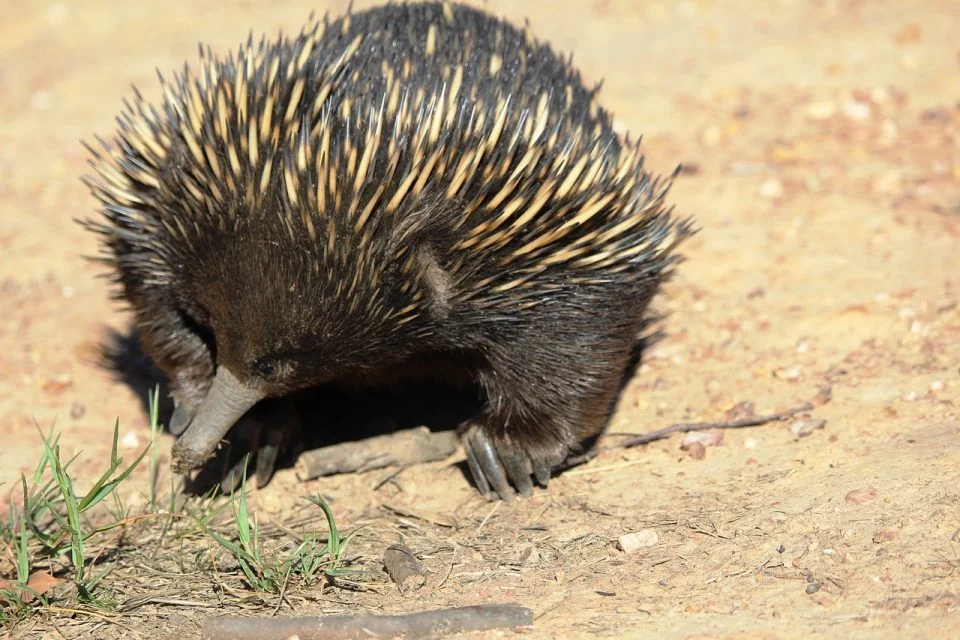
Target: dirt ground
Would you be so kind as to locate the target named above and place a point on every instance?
(822, 144)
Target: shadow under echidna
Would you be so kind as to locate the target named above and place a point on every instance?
(416, 192)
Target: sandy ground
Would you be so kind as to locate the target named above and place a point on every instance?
(823, 148)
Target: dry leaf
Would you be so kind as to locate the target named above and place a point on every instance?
(38, 584)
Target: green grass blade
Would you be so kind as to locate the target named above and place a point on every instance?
(23, 554)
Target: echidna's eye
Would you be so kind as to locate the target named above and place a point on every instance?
(267, 369)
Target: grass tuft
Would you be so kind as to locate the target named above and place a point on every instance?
(272, 572)
(53, 534)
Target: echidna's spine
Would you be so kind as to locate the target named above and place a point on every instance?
(342, 147)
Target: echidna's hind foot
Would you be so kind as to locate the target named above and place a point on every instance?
(496, 465)
(268, 430)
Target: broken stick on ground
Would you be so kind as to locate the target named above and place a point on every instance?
(402, 448)
(416, 446)
(404, 569)
(426, 624)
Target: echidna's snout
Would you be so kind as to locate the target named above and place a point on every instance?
(226, 402)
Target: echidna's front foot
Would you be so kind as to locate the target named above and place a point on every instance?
(268, 430)
(499, 467)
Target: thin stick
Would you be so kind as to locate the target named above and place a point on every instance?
(414, 625)
(683, 427)
(449, 569)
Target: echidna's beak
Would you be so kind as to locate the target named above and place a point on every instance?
(226, 402)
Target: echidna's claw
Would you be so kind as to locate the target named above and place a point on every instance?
(477, 472)
(517, 466)
(282, 436)
(181, 418)
(266, 463)
(232, 479)
(264, 433)
(490, 463)
(541, 472)
(503, 465)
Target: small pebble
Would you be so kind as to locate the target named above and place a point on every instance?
(937, 385)
(880, 94)
(77, 410)
(697, 450)
(711, 136)
(741, 411)
(805, 426)
(130, 441)
(856, 110)
(888, 132)
(529, 556)
(884, 535)
(859, 496)
(771, 189)
(750, 443)
(58, 383)
(824, 395)
(631, 542)
(821, 110)
(887, 183)
(789, 373)
(710, 438)
(908, 61)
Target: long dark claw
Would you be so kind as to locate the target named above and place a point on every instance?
(233, 478)
(541, 471)
(474, 465)
(490, 464)
(518, 470)
(180, 420)
(266, 463)
(280, 432)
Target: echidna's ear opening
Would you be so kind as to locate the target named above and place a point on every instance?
(226, 402)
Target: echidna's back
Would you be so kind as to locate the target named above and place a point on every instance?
(359, 139)
(424, 43)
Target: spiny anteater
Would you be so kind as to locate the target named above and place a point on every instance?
(417, 187)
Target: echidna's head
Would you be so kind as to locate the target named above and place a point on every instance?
(277, 317)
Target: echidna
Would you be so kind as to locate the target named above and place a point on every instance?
(416, 187)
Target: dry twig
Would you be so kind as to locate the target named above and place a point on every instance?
(414, 625)
(683, 427)
(402, 448)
